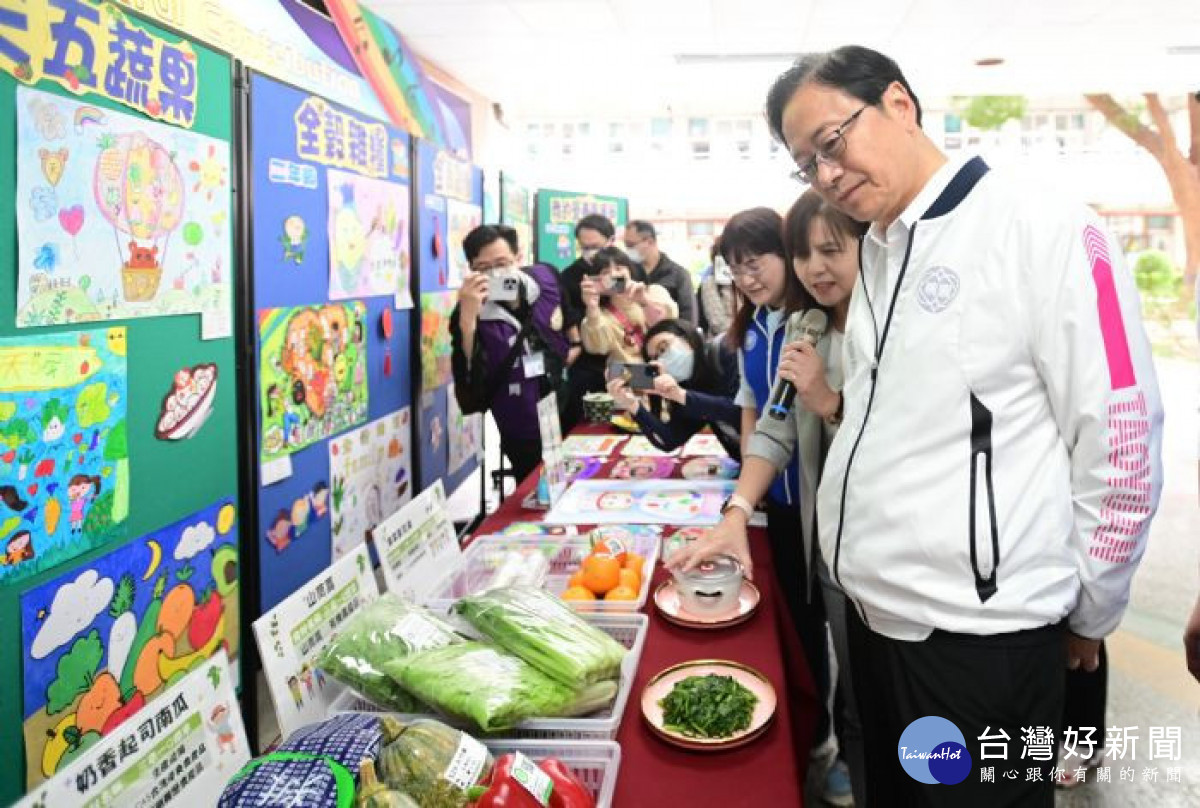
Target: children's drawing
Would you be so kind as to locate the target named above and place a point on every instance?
(64, 452)
(115, 218)
(289, 524)
(370, 469)
(591, 445)
(643, 468)
(368, 236)
(711, 468)
(436, 308)
(703, 445)
(640, 446)
(461, 219)
(188, 403)
(465, 434)
(581, 468)
(294, 239)
(619, 502)
(106, 638)
(313, 374)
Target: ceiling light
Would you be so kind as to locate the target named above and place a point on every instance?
(989, 61)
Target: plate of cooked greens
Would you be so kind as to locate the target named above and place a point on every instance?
(709, 704)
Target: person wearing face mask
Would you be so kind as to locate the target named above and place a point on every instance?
(641, 245)
(694, 388)
(717, 300)
(506, 352)
(614, 323)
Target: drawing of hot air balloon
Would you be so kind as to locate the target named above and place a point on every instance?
(139, 190)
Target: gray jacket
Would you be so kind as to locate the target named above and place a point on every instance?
(774, 441)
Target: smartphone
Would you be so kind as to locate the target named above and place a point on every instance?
(504, 288)
(639, 377)
(616, 287)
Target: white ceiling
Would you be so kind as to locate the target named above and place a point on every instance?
(571, 57)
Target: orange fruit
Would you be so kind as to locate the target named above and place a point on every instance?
(635, 562)
(578, 593)
(621, 593)
(611, 547)
(631, 579)
(601, 573)
(576, 579)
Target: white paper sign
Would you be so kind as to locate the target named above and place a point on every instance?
(294, 633)
(370, 472)
(179, 750)
(465, 436)
(554, 460)
(417, 545)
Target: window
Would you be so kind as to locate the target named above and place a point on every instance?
(724, 129)
(1078, 121)
(952, 124)
(1060, 122)
(1159, 222)
(697, 127)
(584, 129)
(700, 229)
(660, 127)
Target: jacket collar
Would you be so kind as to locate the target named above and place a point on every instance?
(949, 186)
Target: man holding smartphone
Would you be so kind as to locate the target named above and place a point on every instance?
(507, 341)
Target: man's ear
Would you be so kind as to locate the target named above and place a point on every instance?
(899, 105)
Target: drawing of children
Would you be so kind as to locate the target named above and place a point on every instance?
(299, 517)
(307, 677)
(320, 679)
(294, 686)
(279, 534)
(320, 499)
(222, 725)
(80, 491)
(20, 548)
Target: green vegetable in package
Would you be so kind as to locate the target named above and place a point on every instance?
(493, 688)
(546, 633)
(388, 629)
(709, 706)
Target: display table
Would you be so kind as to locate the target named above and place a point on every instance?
(769, 771)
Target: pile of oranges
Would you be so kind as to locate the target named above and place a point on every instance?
(609, 572)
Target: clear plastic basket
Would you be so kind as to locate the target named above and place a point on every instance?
(627, 629)
(482, 559)
(595, 763)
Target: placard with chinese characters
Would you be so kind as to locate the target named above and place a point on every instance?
(291, 635)
(417, 544)
(179, 750)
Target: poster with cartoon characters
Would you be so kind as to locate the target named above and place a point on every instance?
(105, 639)
(196, 722)
(619, 502)
(640, 446)
(117, 216)
(64, 451)
(370, 470)
(461, 219)
(368, 237)
(465, 434)
(295, 632)
(312, 374)
(436, 308)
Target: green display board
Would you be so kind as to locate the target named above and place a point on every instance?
(557, 213)
(516, 210)
(174, 466)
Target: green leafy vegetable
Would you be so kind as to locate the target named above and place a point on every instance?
(76, 670)
(709, 706)
(546, 633)
(388, 629)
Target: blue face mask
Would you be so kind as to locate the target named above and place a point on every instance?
(678, 362)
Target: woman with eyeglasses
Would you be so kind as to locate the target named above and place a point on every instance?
(507, 342)
(694, 388)
(618, 309)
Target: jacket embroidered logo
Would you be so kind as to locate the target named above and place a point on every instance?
(937, 289)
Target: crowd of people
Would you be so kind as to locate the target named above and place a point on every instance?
(958, 497)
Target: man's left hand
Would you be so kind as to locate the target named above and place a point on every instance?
(1082, 652)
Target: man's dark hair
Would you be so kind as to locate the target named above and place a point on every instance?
(644, 228)
(594, 221)
(853, 69)
(485, 234)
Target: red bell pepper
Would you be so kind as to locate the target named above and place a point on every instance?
(568, 791)
(501, 790)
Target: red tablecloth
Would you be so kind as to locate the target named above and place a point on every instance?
(769, 771)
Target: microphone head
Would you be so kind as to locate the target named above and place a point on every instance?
(813, 324)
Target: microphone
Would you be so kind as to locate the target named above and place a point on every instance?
(808, 326)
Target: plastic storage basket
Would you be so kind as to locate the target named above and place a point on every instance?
(627, 629)
(482, 559)
(595, 763)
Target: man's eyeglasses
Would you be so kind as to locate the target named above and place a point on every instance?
(498, 266)
(828, 152)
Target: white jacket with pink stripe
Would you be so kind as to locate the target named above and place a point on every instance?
(999, 461)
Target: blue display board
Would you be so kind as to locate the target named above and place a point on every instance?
(310, 156)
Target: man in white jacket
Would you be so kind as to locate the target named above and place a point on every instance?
(988, 496)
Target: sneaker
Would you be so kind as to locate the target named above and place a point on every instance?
(837, 786)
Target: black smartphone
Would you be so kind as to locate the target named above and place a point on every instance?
(639, 376)
(616, 287)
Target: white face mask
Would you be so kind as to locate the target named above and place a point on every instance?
(678, 362)
(589, 253)
(635, 254)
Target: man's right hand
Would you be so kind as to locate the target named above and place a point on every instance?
(728, 538)
(472, 295)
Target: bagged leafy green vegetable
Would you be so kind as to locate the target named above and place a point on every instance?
(546, 633)
(493, 688)
(388, 629)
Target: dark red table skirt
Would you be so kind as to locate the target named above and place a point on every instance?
(768, 772)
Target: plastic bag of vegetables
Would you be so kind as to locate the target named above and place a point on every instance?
(546, 633)
(387, 629)
(434, 763)
(491, 687)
